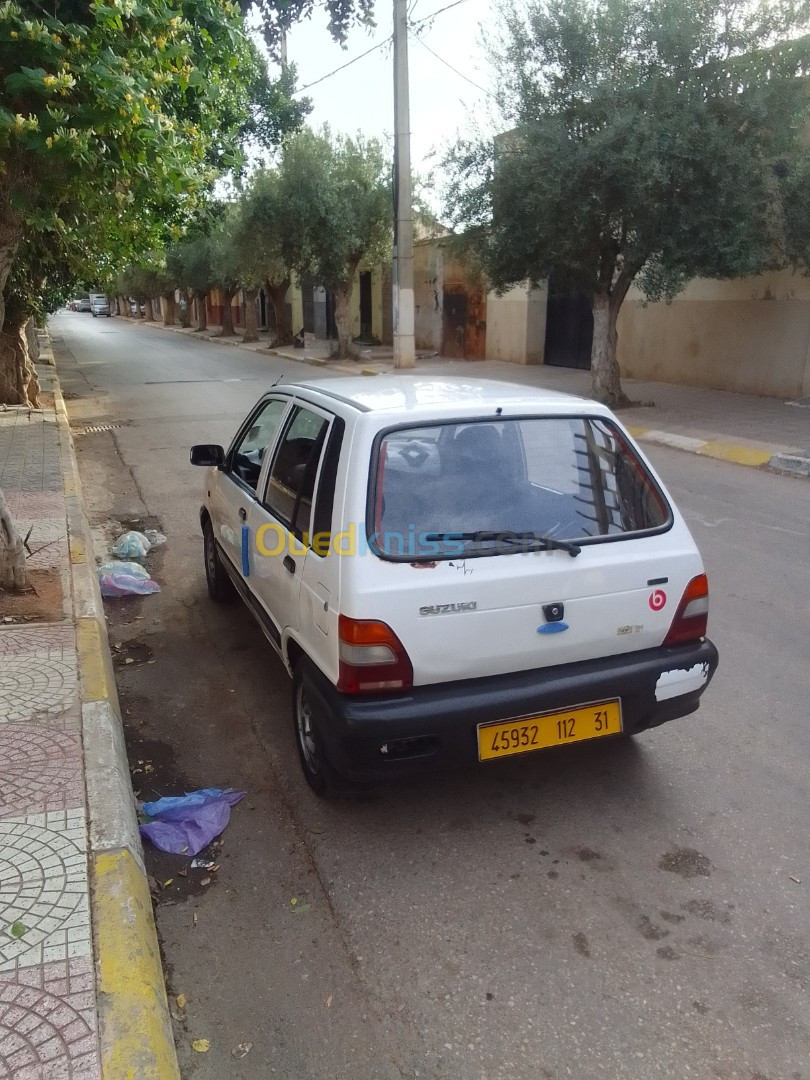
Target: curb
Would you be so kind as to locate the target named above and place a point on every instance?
(780, 460)
(135, 1032)
(736, 453)
(739, 454)
(791, 464)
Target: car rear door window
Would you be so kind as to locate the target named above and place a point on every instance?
(293, 473)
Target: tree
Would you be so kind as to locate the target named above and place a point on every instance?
(275, 17)
(269, 240)
(649, 141)
(336, 192)
(226, 270)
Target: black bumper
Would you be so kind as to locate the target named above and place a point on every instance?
(439, 722)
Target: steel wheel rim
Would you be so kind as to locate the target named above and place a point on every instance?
(306, 732)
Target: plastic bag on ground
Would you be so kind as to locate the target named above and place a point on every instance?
(130, 545)
(132, 568)
(118, 584)
(185, 824)
(154, 537)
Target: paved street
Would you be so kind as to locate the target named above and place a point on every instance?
(631, 910)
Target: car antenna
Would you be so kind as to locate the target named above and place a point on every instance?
(280, 377)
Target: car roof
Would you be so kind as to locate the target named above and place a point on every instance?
(397, 394)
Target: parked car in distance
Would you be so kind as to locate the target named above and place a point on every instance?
(100, 305)
(454, 571)
(83, 303)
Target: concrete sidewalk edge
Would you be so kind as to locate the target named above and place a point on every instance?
(722, 449)
(135, 1028)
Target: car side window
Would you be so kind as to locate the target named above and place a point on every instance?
(292, 477)
(246, 457)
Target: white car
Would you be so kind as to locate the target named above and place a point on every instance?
(454, 571)
(100, 305)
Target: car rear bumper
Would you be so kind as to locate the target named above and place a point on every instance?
(439, 723)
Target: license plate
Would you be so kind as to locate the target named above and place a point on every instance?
(505, 737)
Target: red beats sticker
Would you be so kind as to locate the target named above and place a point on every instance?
(657, 599)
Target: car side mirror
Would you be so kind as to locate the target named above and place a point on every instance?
(207, 454)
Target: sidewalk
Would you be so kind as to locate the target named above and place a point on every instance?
(81, 984)
(748, 430)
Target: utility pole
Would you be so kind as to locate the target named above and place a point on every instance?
(404, 341)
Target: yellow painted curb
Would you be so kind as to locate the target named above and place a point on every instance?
(136, 1039)
(97, 683)
(69, 485)
(740, 455)
(638, 432)
(77, 552)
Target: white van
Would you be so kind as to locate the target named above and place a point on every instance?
(454, 570)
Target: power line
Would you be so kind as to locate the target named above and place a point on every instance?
(457, 72)
(385, 41)
(348, 63)
(433, 14)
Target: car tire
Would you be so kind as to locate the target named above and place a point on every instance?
(220, 586)
(321, 776)
(94, 314)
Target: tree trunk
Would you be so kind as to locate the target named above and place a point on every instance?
(9, 243)
(185, 309)
(19, 384)
(121, 306)
(606, 385)
(278, 298)
(148, 310)
(13, 571)
(32, 339)
(202, 318)
(251, 319)
(342, 319)
(227, 313)
(167, 308)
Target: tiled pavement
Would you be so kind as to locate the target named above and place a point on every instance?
(48, 1028)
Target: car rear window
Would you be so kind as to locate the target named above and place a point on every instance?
(436, 488)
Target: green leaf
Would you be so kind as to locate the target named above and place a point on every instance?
(18, 930)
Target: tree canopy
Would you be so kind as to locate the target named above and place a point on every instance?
(337, 191)
(645, 141)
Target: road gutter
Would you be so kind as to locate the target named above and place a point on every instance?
(135, 1030)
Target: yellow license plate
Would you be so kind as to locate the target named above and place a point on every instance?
(506, 737)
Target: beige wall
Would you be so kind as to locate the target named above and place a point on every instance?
(750, 335)
(428, 262)
(516, 325)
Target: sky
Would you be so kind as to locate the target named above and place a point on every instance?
(361, 97)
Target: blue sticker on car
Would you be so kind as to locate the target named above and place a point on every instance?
(552, 628)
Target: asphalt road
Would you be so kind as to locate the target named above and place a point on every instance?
(634, 910)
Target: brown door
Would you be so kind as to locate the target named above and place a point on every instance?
(475, 336)
(454, 321)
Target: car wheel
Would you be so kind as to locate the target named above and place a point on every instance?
(94, 314)
(318, 773)
(220, 586)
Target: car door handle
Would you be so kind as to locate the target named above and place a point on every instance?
(242, 513)
(289, 564)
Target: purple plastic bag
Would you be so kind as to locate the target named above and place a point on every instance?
(119, 584)
(185, 824)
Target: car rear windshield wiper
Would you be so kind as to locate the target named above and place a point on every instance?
(550, 543)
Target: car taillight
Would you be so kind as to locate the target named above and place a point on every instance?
(692, 615)
(372, 658)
